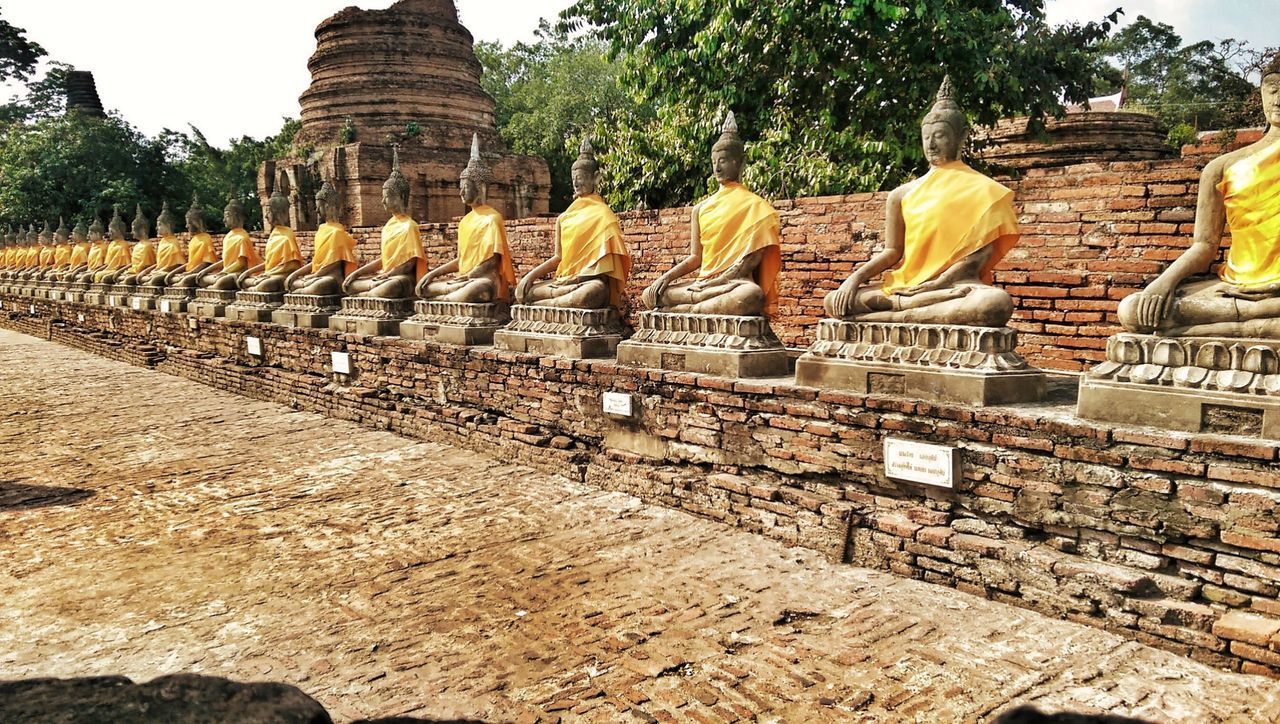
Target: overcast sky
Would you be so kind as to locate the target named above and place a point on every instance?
(237, 67)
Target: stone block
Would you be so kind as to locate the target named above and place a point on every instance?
(371, 316)
(573, 333)
(254, 306)
(455, 322)
(211, 302)
(146, 298)
(722, 345)
(175, 300)
(307, 310)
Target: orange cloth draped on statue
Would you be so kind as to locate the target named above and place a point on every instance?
(481, 235)
(118, 256)
(282, 248)
(951, 213)
(46, 257)
(97, 254)
(735, 223)
(200, 251)
(333, 245)
(1251, 192)
(402, 241)
(237, 244)
(143, 256)
(169, 253)
(61, 255)
(6, 258)
(591, 245)
(79, 254)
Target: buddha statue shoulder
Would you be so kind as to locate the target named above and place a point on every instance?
(79, 252)
(401, 261)
(238, 251)
(334, 256)
(118, 255)
(142, 257)
(201, 253)
(171, 253)
(590, 258)
(944, 234)
(733, 246)
(281, 256)
(61, 251)
(1240, 189)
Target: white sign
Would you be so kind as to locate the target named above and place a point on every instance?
(920, 462)
(80, 317)
(192, 323)
(617, 403)
(341, 362)
(164, 305)
(254, 345)
(137, 302)
(33, 309)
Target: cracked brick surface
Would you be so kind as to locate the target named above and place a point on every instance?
(150, 525)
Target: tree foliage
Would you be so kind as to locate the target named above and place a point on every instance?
(18, 54)
(831, 92)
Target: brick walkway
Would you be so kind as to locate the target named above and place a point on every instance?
(149, 525)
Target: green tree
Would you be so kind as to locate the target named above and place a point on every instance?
(833, 91)
(18, 55)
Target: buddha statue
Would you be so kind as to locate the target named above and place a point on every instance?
(238, 252)
(282, 256)
(142, 258)
(79, 252)
(944, 234)
(97, 253)
(6, 252)
(733, 246)
(118, 253)
(483, 272)
(61, 251)
(589, 256)
(201, 254)
(402, 261)
(44, 254)
(171, 257)
(1242, 190)
(335, 251)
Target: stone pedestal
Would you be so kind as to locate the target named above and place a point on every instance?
(371, 316)
(175, 300)
(118, 295)
(146, 298)
(75, 292)
(939, 363)
(97, 294)
(574, 333)
(715, 344)
(1198, 384)
(455, 322)
(211, 302)
(254, 306)
(307, 310)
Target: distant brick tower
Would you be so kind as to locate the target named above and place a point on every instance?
(82, 94)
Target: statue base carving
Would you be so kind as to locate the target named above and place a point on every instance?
(457, 323)
(976, 366)
(55, 290)
(307, 310)
(211, 302)
(175, 300)
(254, 306)
(118, 295)
(97, 294)
(564, 332)
(145, 298)
(1198, 384)
(76, 292)
(724, 345)
(371, 316)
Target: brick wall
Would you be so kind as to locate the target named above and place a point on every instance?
(1172, 539)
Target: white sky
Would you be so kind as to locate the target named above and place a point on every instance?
(237, 67)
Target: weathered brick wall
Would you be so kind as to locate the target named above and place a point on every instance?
(1172, 539)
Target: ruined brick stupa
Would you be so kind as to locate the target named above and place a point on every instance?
(405, 75)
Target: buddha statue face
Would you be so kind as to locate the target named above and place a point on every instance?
(140, 228)
(95, 231)
(78, 233)
(584, 179)
(195, 220)
(278, 209)
(327, 203)
(470, 191)
(233, 216)
(941, 142)
(60, 236)
(726, 163)
(1271, 97)
(164, 225)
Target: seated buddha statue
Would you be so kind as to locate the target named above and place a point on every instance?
(142, 257)
(281, 257)
(238, 252)
(335, 251)
(6, 252)
(171, 256)
(590, 258)
(61, 252)
(1242, 189)
(402, 261)
(201, 253)
(733, 246)
(118, 255)
(42, 255)
(945, 232)
(97, 253)
(79, 252)
(483, 272)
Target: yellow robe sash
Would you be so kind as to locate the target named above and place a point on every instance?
(333, 245)
(236, 244)
(591, 244)
(45, 259)
(402, 241)
(953, 212)
(61, 255)
(6, 258)
(1251, 192)
(735, 223)
(79, 254)
(200, 251)
(282, 248)
(118, 255)
(169, 253)
(143, 256)
(97, 254)
(482, 234)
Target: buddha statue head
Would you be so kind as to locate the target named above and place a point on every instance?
(116, 229)
(141, 226)
(1271, 91)
(729, 152)
(395, 192)
(475, 178)
(945, 128)
(61, 235)
(278, 209)
(327, 203)
(95, 229)
(586, 170)
(166, 224)
(32, 235)
(195, 216)
(80, 233)
(234, 215)
(46, 234)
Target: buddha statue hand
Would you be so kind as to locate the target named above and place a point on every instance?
(846, 300)
(1150, 307)
(653, 294)
(1252, 294)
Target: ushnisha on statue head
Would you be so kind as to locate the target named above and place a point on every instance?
(585, 173)
(729, 152)
(166, 223)
(474, 181)
(141, 226)
(116, 229)
(195, 216)
(945, 129)
(234, 214)
(395, 191)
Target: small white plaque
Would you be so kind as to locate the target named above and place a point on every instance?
(341, 362)
(192, 323)
(80, 317)
(164, 305)
(33, 309)
(921, 462)
(617, 403)
(137, 303)
(254, 345)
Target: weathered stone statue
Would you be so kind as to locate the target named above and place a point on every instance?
(50, 286)
(114, 263)
(201, 254)
(717, 322)
(575, 314)
(142, 258)
(170, 258)
(934, 327)
(315, 291)
(218, 282)
(379, 292)
(79, 288)
(262, 287)
(470, 306)
(1202, 352)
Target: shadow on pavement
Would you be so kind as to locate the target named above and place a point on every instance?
(28, 497)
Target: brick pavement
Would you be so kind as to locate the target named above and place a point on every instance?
(150, 525)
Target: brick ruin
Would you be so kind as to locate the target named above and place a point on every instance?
(1075, 138)
(412, 64)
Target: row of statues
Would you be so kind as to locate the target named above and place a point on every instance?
(921, 317)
